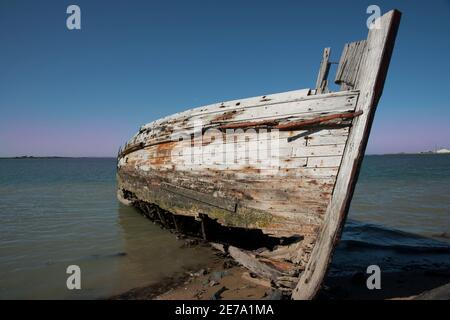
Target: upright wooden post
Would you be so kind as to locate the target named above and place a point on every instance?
(322, 82)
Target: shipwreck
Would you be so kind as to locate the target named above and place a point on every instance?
(270, 179)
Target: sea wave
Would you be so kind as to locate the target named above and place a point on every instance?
(365, 235)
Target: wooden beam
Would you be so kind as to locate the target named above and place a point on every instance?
(292, 125)
(297, 125)
(252, 263)
(226, 204)
(321, 83)
(370, 81)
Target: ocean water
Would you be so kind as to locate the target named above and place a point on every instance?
(407, 192)
(60, 212)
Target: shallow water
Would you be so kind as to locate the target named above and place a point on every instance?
(399, 218)
(59, 212)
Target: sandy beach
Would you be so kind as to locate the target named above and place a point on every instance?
(224, 279)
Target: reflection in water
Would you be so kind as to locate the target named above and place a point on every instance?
(145, 254)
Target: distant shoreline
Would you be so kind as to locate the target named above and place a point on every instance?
(52, 157)
(105, 157)
(408, 154)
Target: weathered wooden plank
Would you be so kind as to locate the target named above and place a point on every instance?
(250, 262)
(259, 135)
(302, 211)
(241, 159)
(244, 217)
(218, 246)
(302, 109)
(342, 62)
(306, 200)
(250, 141)
(282, 188)
(295, 125)
(222, 107)
(323, 140)
(226, 204)
(349, 64)
(252, 145)
(288, 228)
(251, 102)
(318, 151)
(211, 181)
(294, 201)
(278, 169)
(228, 106)
(177, 203)
(370, 82)
(324, 162)
(162, 130)
(313, 173)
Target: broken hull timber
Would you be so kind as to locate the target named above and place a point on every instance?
(284, 164)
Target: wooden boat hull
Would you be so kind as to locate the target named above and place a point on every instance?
(283, 164)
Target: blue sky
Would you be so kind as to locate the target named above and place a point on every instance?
(85, 92)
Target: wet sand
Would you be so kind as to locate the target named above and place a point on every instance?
(224, 279)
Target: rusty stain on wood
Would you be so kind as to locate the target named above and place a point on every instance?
(249, 124)
(225, 116)
(296, 125)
